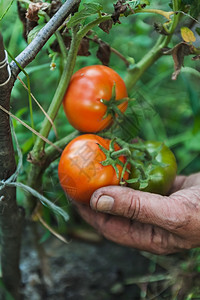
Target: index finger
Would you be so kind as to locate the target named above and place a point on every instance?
(167, 212)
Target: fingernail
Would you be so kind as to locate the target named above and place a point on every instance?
(105, 203)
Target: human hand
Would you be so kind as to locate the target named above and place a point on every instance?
(146, 221)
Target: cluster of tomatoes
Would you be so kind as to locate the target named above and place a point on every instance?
(90, 161)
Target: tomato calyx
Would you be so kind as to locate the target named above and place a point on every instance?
(143, 161)
(112, 158)
(137, 156)
(112, 108)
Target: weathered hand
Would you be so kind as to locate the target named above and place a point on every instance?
(146, 221)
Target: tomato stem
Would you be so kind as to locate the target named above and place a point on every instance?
(58, 96)
(136, 71)
(125, 152)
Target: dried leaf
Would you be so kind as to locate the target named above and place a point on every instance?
(84, 48)
(103, 53)
(106, 25)
(120, 8)
(22, 15)
(54, 7)
(187, 35)
(178, 53)
(32, 12)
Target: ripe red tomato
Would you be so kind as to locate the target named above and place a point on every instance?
(87, 87)
(80, 170)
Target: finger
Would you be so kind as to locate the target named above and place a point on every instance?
(192, 180)
(148, 208)
(178, 183)
(133, 234)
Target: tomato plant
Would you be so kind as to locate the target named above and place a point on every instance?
(80, 169)
(88, 89)
(161, 173)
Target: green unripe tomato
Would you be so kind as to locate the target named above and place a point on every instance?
(163, 175)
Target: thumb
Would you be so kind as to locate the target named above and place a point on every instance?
(136, 205)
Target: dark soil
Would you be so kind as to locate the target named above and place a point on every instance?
(80, 270)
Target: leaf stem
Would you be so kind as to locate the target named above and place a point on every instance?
(163, 13)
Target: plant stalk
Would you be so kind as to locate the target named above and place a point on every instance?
(135, 73)
(11, 216)
(58, 96)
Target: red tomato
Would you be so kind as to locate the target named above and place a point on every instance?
(87, 87)
(80, 170)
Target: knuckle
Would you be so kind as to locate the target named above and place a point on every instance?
(133, 208)
(159, 242)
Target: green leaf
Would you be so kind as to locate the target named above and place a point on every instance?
(143, 184)
(26, 147)
(88, 10)
(7, 9)
(32, 34)
(93, 8)
(132, 180)
(19, 114)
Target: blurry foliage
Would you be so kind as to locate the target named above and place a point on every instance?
(170, 110)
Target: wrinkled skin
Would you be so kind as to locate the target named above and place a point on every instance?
(146, 221)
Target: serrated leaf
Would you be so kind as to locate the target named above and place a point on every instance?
(32, 34)
(88, 10)
(187, 35)
(93, 8)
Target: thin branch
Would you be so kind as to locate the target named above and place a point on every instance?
(29, 128)
(30, 52)
(40, 106)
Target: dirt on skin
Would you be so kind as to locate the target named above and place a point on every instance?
(80, 270)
